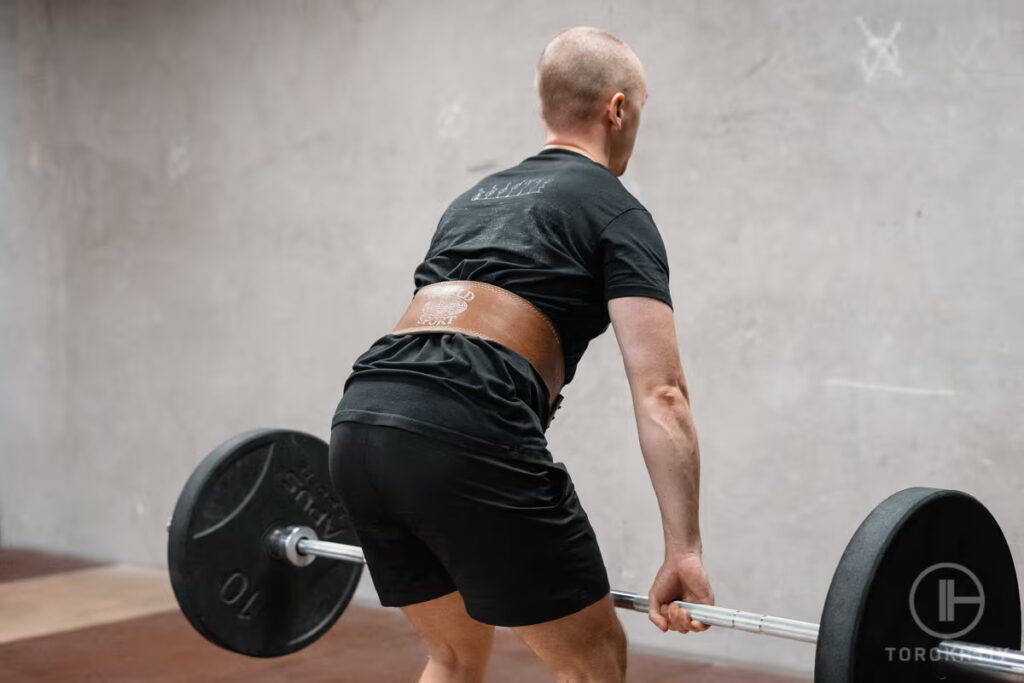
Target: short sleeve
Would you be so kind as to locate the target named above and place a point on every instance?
(635, 262)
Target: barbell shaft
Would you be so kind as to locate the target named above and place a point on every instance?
(968, 655)
(715, 616)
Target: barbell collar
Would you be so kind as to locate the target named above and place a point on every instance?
(284, 544)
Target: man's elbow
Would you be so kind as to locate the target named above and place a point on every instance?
(668, 408)
(670, 397)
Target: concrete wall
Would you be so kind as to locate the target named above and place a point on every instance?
(194, 196)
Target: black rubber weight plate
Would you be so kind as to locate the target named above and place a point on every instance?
(912, 576)
(228, 585)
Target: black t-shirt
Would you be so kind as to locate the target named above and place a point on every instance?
(559, 230)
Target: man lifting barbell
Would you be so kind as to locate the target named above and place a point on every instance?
(464, 519)
(438, 447)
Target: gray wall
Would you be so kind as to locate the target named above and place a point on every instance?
(210, 208)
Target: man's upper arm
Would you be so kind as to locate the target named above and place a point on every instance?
(640, 303)
(633, 257)
(646, 333)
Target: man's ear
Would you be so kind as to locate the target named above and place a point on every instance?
(618, 104)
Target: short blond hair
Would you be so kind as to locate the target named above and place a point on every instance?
(579, 70)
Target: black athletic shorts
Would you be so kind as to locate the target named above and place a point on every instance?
(507, 531)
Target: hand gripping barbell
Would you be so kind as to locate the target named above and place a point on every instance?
(926, 589)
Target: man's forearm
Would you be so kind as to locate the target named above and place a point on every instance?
(668, 441)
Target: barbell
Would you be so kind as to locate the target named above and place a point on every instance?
(925, 590)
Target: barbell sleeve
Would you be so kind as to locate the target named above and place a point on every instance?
(293, 542)
(979, 657)
(334, 551)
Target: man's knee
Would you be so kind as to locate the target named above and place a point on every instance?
(462, 654)
(457, 655)
(459, 663)
(603, 658)
(618, 645)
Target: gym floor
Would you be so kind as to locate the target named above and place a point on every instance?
(80, 620)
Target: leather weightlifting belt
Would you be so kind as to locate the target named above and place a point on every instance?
(483, 310)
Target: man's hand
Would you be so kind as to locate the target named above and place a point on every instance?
(682, 577)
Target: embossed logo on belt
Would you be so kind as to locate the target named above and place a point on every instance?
(444, 308)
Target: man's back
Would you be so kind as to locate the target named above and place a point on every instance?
(558, 230)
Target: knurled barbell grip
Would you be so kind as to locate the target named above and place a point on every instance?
(778, 627)
(287, 542)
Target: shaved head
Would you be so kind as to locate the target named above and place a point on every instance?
(580, 70)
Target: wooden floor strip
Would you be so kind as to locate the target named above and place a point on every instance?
(78, 599)
(24, 563)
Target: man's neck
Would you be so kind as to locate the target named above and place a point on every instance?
(593, 149)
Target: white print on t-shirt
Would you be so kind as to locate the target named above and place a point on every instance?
(523, 187)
